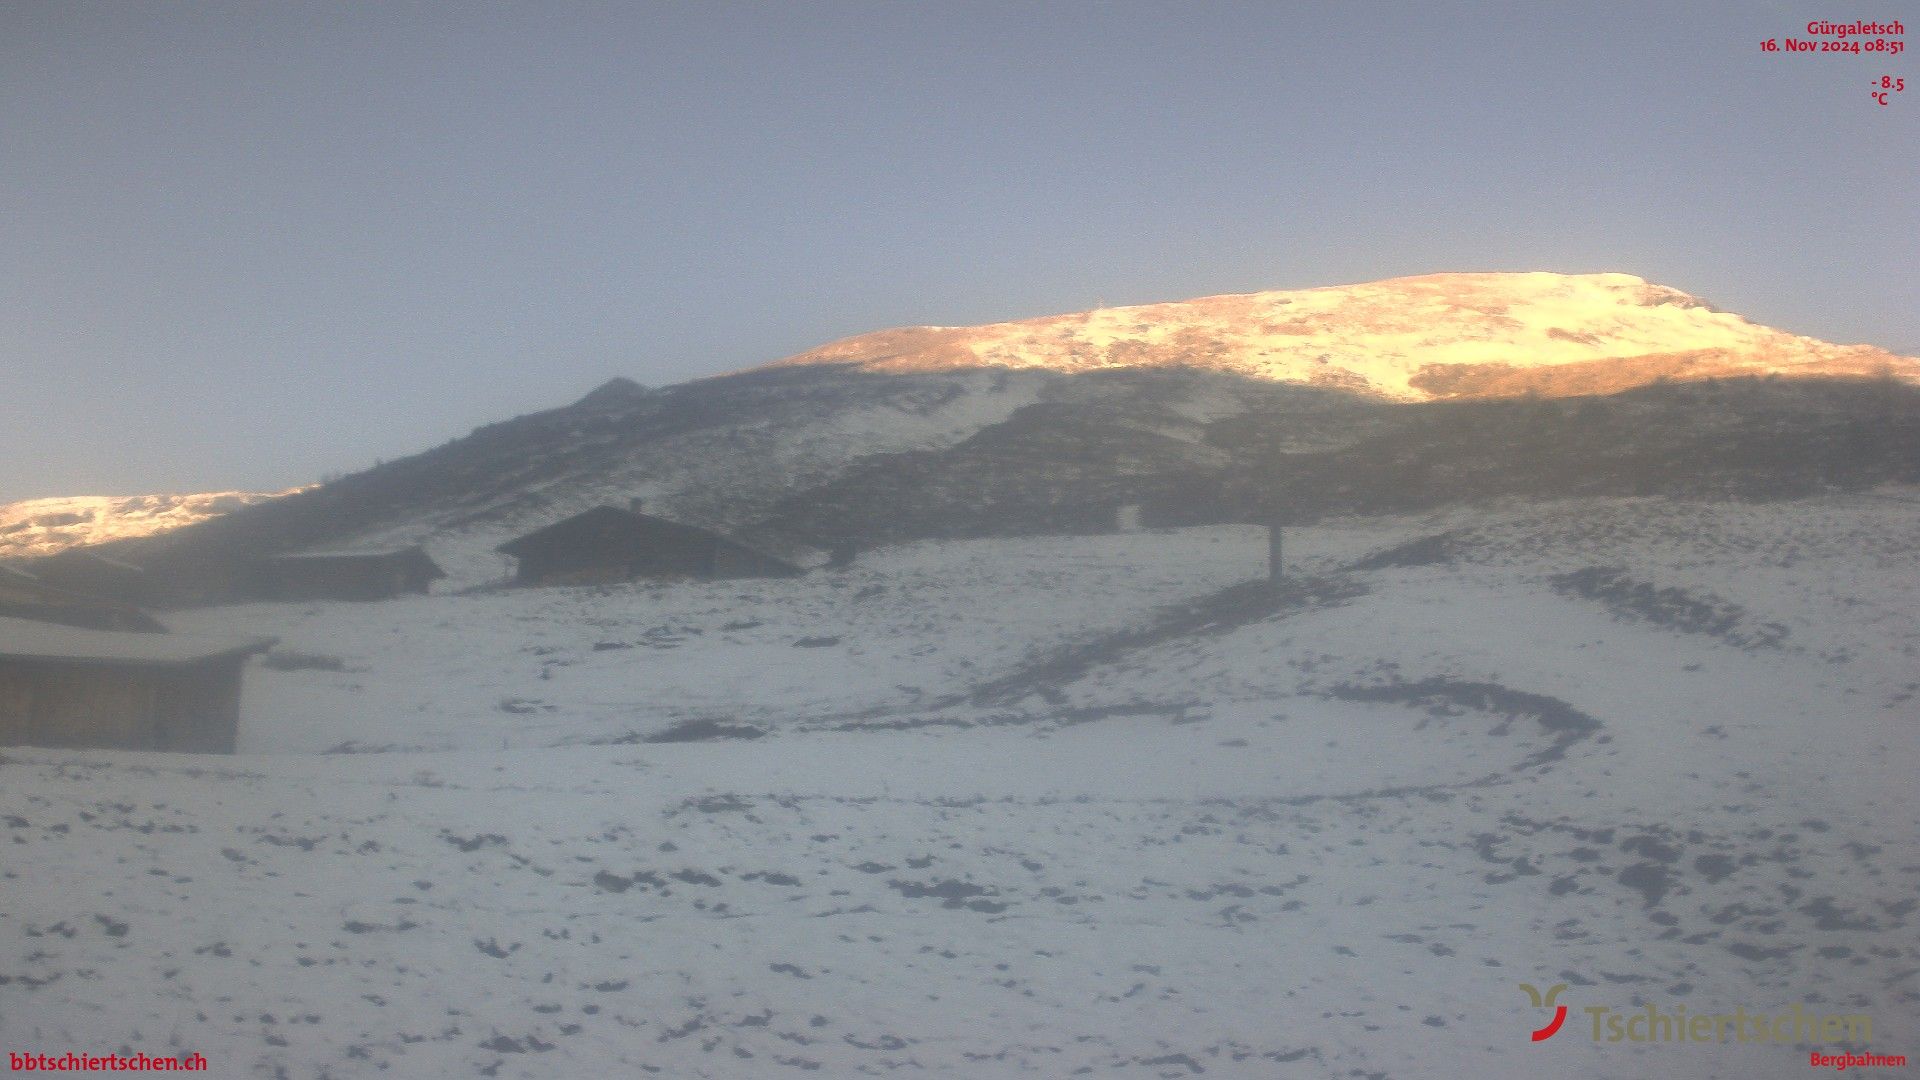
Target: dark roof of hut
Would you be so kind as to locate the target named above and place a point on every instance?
(764, 542)
(88, 557)
(23, 594)
(411, 553)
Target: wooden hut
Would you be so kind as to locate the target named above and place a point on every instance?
(25, 595)
(607, 544)
(346, 575)
(64, 686)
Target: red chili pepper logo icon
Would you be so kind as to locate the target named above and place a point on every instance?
(1559, 1011)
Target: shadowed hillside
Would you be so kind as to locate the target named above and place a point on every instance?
(1322, 452)
(831, 454)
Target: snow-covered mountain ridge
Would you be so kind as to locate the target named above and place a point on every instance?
(859, 444)
(1412, 338)
(46, 526)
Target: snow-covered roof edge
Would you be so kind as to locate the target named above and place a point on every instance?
(23, 639)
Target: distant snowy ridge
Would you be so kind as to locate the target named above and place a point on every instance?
(1395, 395)
(46, 526)
(1412, 338)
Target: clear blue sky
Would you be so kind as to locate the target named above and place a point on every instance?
(245, 245)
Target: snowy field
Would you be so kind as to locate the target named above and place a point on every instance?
(1046, 807)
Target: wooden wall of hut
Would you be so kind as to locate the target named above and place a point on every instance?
(193, 708)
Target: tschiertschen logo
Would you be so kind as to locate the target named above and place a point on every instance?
(1788, 1025)
(1559, 1011)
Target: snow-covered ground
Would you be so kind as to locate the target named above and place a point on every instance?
(1035, 807)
